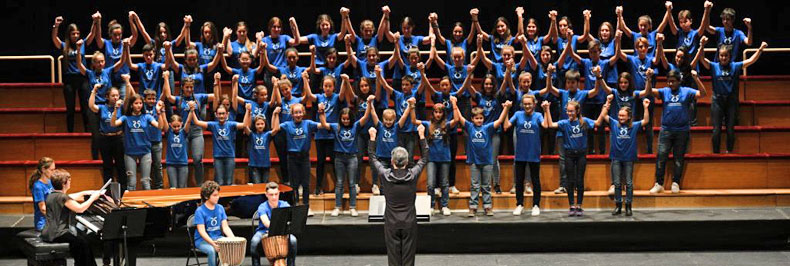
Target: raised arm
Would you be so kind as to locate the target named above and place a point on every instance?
(551, 36)
(648, 91)
(80, 66)
(700, 57)
(96, 32)
(160, 110)
(481, 54)
(605, 110)
(566, 50)
(749, 39)
(503, 115)
(92, 99)
(667, 17)
(755, 56)
(456, 111)
(128, 58)
(322, 117)
(433, 20)
(621, 25)
(133, 28)
(94, 28)
(294, 32)
(349, 28)
(276, 120)
(659, 48)
(547, 123)
(481, 34)
(646, 115)
(618, 51)
(586, 34)
(549, 72)
(380, 81)
(384, 25)
(705, 18)
(54, 34)
(218, 90)
(526, 55)
(412, 103)
(662, 57)
(435, 57)
(467, 85)
(276, 98)
(141, 28)
(364, 119)
(234, 92)
(520, 21)
(218, 59)
(313, 69)
(265, 59)
(600, 85)
(308, 93)
(166, 88)
(195, 117)
(702, 92)
(245, 123)
(113, 121)
(671, 20)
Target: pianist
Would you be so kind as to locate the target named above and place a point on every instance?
(211, 222)
(265, 212)
(61, 209)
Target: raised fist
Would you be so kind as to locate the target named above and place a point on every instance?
(167, 44)
(763, 45)
(165, 74)
(649, 73)
(191, 105)
(277, 110)
(312, 49)
(385, 10)
(421, 129)
(668, 5)
(227, 31)
(453, 99)
(235, 78)
(125, 77)
(659, 37)
(412, 101)
(550, 68)
(217, 76)
(305, 75)
(248, 106)
(58, 20)
(748, 22)
(694, 74)
(596, 70)
(321, 107)
(587, 14)
(703, 40)
(553, 14)
(474, 12)
(371, 98)
(80, 43)
(545, 105)
(618, 10)
(519, 11)
(372, 133)
(420, 66)
(645, 103)
(118, 104)
(344, 77)
(708, 4)
(96, 87)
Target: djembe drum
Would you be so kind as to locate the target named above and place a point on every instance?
(232, 250)
(276, 249)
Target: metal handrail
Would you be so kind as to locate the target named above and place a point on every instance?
(769, 50)
(35, 57)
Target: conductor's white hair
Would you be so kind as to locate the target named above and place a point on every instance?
(400, 157)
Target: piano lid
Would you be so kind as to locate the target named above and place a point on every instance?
(169, 197)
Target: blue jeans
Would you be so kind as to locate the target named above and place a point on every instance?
(346, 164)
(496, 140)
(223, 170)
(255, 247)
(676, 141)
(197, 147)
(443, 171)
(623, 170)
(259, 174)
(131, 162)
(177, 175)
(481, 179)
(209, 251)
(156, 165)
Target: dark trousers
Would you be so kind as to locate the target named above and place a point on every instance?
(299, 163)
(281, 147)
(648, 129)
(324, 148)
(401, 245)
(592, 110)
(363, 139)
(562, 157)
(73, 85)
(453, 151)
(79, 248)
(111, 148)
(675, 141)
(723, 108)
(575, 165)
(522, 169)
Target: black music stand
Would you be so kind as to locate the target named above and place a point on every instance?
(288, 220)
(121, 224)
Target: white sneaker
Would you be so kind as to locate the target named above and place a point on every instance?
(354, 212)
(434, 211)
(513, 190)
(310, 213)
(375, 190)
(519, 209)
(445, 211)
(611, 190)
(675, 188)
(528, 190)
(535, 210)
(437, 192)
(657, 189)
(357, 187)
(300, 190)
(560, 190)
(335, 212)
(454, 190)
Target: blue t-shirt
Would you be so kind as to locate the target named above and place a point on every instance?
(298, 135)
(205, 54)
(275, 49)
(322, 44)
(259, 149)
(401, 103)
(212, 220)
(575, 136)
(154, 134)
(499, 71)
(40, 192)
(136, 141)
(335, 72)
(688, 39)
(439, 147)
(566, 96)
(569, 62)
(539, 80)
(622, 99)
(238, 48)
(71, 58)
(295, 76)
(224, 138)
(675, 115)
(609, 74)
(607, 48)
(457, 75)
(734, 38)
(527, 129)
(725, 78)
(246, 82)
(496, 47)
(449, 45)
(265, 210)
(444, 99)
(361, 46)
(638, 68)
(651, 41)
(102, 78)
(407, 43)
(182, 104)
(534, 45)
(285, 110)
(150, 76)
(346, 137)
(258, 109)
(386, 139)
(478, 141)
(332, 112)
(106, 113)
(176, 147)
(112, 54)
(623, 140)
(197, 75)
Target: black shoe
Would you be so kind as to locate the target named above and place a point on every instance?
(618, 209)
(497, 189)
(628, 211)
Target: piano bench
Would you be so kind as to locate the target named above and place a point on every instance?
(42, 253)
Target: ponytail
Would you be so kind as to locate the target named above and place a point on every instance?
(43, 163)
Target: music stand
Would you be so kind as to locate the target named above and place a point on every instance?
(288, 220)
(122, 224)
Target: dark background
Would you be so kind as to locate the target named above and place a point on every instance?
(28, 23)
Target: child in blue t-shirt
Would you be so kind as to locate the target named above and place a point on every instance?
(40, 187)
(623, 150)
(439, 129)
(137, 144)
(210, 221)
(388, 136)
(224, 140)
(258, 148)
(264, 213)
(176, 157)
(574, 135)
(480, 153)
(528, 125)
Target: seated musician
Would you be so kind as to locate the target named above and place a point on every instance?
(265, 212)
(211, 222)
(61, 209)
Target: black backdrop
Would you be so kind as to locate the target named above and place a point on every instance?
(27, 24)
